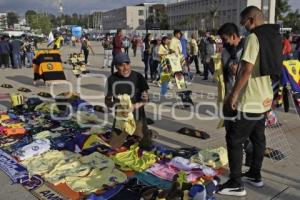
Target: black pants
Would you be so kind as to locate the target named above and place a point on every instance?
(86, 56)
(237, 132)
(23, 58)
(126, 50)
(153, 70)
(146, 62)
(195, 59)
(112, 66)
(4, 59)
(134, 52)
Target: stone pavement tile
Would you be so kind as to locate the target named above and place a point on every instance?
(289, 194)
(12, 192)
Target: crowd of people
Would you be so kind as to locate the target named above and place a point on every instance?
(250, 64)
(16, 52)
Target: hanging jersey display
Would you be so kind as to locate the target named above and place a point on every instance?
(48, 66)
(291, 74)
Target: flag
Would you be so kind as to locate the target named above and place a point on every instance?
(50, 38)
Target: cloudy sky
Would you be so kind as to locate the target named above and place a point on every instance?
(79, 6)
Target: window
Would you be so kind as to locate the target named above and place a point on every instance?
(141, 22)
(151, 10)
(141, 12)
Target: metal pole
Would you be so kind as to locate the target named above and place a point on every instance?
(146, 20)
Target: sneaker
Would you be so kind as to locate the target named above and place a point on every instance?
(249, 178)
(232, 188)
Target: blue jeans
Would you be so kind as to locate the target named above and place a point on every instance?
(164, 88)
(29, 56)
(17, 60)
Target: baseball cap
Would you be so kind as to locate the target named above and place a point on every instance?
(121, 58)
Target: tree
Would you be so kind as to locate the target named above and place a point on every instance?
(282, 7)
(292, 20)
(74, 18)
(12, 18)
(41, 23)
(213, 13)
(163, 20)
(191, 21)
(28, 16)
(54, 20)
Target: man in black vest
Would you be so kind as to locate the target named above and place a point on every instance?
(250, 98)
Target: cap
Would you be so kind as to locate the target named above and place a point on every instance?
(121, 58)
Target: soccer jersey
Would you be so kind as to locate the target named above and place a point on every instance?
(291, 74)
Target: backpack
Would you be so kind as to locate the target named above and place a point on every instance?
(84, 46)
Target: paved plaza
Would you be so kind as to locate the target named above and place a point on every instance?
(282, 179)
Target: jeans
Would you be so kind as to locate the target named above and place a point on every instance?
(29, 56)
(107, 58)
(23, 58)
(164, 88)
(17, 60)
(146, 62)
(237, 133)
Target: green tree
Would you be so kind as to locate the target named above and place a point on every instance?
(28, 16)
(282, 7)
(213, 13)
(192, 21)
(74, 18)
(41, 23)
(12, 18)
(54, 20)
(163, 19)
(292, 20)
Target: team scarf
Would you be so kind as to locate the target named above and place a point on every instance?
(10, 166)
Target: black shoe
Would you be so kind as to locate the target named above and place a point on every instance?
(254, 181)
(232, 188)
(204, 79)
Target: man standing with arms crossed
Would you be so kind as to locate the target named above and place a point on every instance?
(251, 97)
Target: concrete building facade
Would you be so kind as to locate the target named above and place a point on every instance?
(3, 21)
(211, 14)
(129, 17)
(137, 17)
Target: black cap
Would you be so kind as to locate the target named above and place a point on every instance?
(121, 58)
